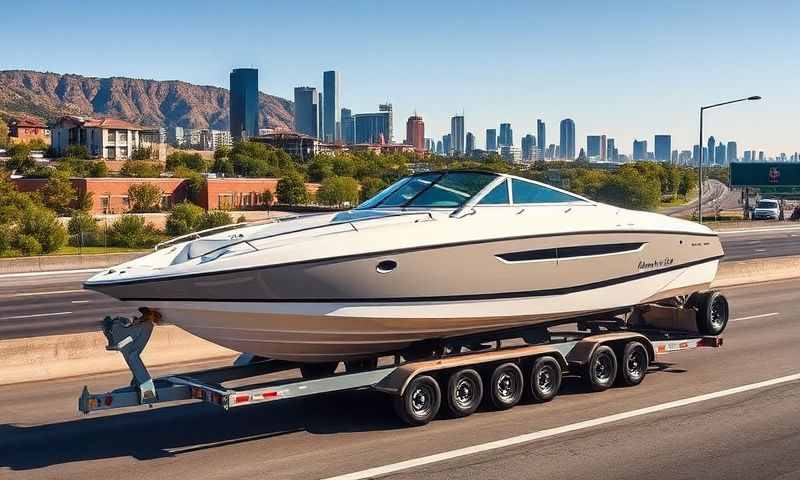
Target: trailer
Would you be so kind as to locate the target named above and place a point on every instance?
(497, 369)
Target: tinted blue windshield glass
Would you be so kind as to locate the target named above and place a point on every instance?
(525, 192)
(434, 190)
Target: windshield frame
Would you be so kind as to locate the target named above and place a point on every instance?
(396, 186)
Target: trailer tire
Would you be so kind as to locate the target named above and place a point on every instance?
(420, 402)
(506, 386)
(464, 392)
(311, 371)
(712, 313)
(633, 364)
(601, 370)
(545, 379)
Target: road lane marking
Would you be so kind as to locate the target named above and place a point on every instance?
(551, 432)
(54, 292)
(80, 301)
(54, 272)
(19, 317)
(753, 317)
(757, 230)
(760, 250)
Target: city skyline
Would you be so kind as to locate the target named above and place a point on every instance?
(608, 92)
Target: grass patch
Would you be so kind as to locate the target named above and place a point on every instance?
(69, 250)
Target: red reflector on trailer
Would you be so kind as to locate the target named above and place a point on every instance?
(269, 394)
(241, 398)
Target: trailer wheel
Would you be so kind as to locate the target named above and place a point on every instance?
(318, 370)
(633, 364)
(712, 313)
(601, 369)
(420, 402)
(545, 379)
(506, 386)
(464, 392)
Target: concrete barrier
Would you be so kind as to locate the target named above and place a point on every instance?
(64, 262)
(58, 356)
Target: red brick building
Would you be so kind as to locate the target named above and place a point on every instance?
(415, 133)
(25, 129)
(110, 195)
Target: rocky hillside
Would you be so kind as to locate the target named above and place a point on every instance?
(145, 102)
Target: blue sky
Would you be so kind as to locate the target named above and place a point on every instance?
(628, 69)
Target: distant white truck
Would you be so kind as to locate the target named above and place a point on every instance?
(767, 209)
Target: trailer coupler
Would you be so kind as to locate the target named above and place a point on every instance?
(129, 336)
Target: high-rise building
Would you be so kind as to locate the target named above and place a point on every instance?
(593, 147)
(332, 120)
(387, 108)
(550, 153)
(663, 148)
(541, 137)
(721, 154)
(528, 144)
(696, 154)
(244, 103)
(439, 148)
(506, 135)
(306, 111)
(457, 134)
(511, 154)
(603, 148)
(733, 154)
(674, 157)
(761, 156)
(348, 127)
(610, 149)
(491, 140)
(373, 127)
(567, 140)
(320, 114)
(430, 145)
(470, 143)
(447, 144)
(415, 133)
(712, 144)
(748, 156)
(639, 150)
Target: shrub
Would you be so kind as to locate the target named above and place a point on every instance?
(131, 231)
(83, 231)
(292, 190)
(241, 219)
(216, 218)
(144, 197)
(185, 218)
(142, 153)
(28, 245)
(42, 224)
(77, 151)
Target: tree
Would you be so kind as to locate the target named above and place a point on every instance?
(192, 161)
(194, 184)
(338, 191)
(629, 189)
(370, 187)
(83, 231)
(28, 245)
(320, 168)
(131, 231)
(267, 197)
(140, 169)
(142, 153)
(223, 166)
(184, 218)
(58, 193)
(3, 135)
(77, 151)
(217, 218)
(21, 161)
(222, 152)
(144, 197)
(292, 190)
(42, 224)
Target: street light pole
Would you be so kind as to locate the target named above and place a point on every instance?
(700, 145)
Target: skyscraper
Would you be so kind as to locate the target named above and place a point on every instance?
(506, 135)
(332, 124)
(373, 127)
(491, 140)
(415, 133)
(320, 114)
(457, 134)
(640, 150)
(387, 108)
(603, 148)
(567, 140)
(721, 154)
(430, 145)
(663, 148)
(439, 148)
(709, 160)
(593, 147)
(541, 138)
(528, 144)
(470, 143)
(306, 111)
(244, 103)
(696, 154)
(733, 154)
(610, 149)
(447, 144)
(348, 127)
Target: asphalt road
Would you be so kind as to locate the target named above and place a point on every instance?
(54, 303)
(714, 192)
(750, 434)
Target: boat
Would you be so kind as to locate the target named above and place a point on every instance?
(435, 255)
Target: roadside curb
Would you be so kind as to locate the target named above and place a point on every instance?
(55, 263)
(60, 356)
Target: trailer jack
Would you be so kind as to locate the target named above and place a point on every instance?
(129, 336)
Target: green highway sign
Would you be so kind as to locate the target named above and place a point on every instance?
(777, 177)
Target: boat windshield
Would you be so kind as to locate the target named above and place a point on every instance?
(431, 190)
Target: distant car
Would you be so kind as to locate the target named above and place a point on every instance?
(767, 209)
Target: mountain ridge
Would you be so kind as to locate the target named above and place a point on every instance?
(157, 103)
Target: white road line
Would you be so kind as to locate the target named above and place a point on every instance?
(55, 272)
(35, 315)
(80, 301)
(54, 292)
(757, 230)
(760, 250)
(551, 432)
(753, 317)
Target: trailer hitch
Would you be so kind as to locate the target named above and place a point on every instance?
(129, 336)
